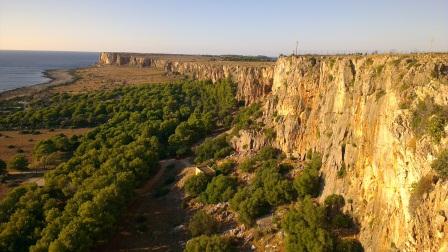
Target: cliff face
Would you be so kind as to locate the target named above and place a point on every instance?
(357, 112)
(254, 79)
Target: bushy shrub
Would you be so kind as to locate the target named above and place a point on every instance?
(220, 189)
(305, 228)
(247, 116)
(225, 167)
(248, 165)
(202, 223)
(2, 167)
(440, 165)
(308, 183)
(424, 185)
(429, 118)
(436, 127)
(195, 185)
(269, 189)
(212, 243)
(250, 203)
(348, 245)
(19, 162)
(333, 206)
(266, 153)
(213, 148)
(277, 190)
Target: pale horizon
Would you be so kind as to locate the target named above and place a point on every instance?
(204, 27)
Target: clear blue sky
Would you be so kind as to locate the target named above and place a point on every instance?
(223, 27)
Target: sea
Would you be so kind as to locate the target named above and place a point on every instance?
(25, 68)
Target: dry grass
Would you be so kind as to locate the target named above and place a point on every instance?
(109, 77)
(26, 142)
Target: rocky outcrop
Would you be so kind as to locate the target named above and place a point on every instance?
(254, 79)
(357, 112)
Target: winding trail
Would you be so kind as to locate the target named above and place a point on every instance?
(149, 223)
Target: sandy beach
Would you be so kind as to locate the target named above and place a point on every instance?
(56, 76)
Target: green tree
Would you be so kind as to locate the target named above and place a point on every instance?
(196, 184)
(2, 167)
(305, 228)
(212, 243)
(19, 162)
(220, 189)
(202, 223)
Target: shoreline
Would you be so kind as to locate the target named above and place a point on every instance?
(56, 76)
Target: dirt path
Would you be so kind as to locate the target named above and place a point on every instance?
(151, 219)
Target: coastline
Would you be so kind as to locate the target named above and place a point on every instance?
(56, 76)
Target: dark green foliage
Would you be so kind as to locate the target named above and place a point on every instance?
(45, 151)
(336, 218)
(250, 203)
(201, 223)
(264, 154)
(268, 190)
(440, 165)
(334, 202)
(305, 228)
(220, 189)
(308, 183)
(212, 243)
(19, 162)
(349, 245)
(225, 167)
(83, 198)
(267, 153)
(195, 185)
(246, 117)
(247, 165)
(436, 127)
(213, 148)
(2, 167)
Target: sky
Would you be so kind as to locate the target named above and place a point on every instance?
(248, 27)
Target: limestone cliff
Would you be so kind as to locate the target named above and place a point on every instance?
(357, 112)
(254, 79)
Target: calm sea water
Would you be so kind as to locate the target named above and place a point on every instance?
(25, 68)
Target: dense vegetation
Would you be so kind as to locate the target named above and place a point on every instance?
(83, 197)
(269, 189)
(212, 243)
(311, 227)
(92, 109)
(55, 150)
(202, 223)
(213, 148)
(18, 162)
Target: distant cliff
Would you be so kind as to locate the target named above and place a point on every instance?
(254, 79)
(357, 111)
